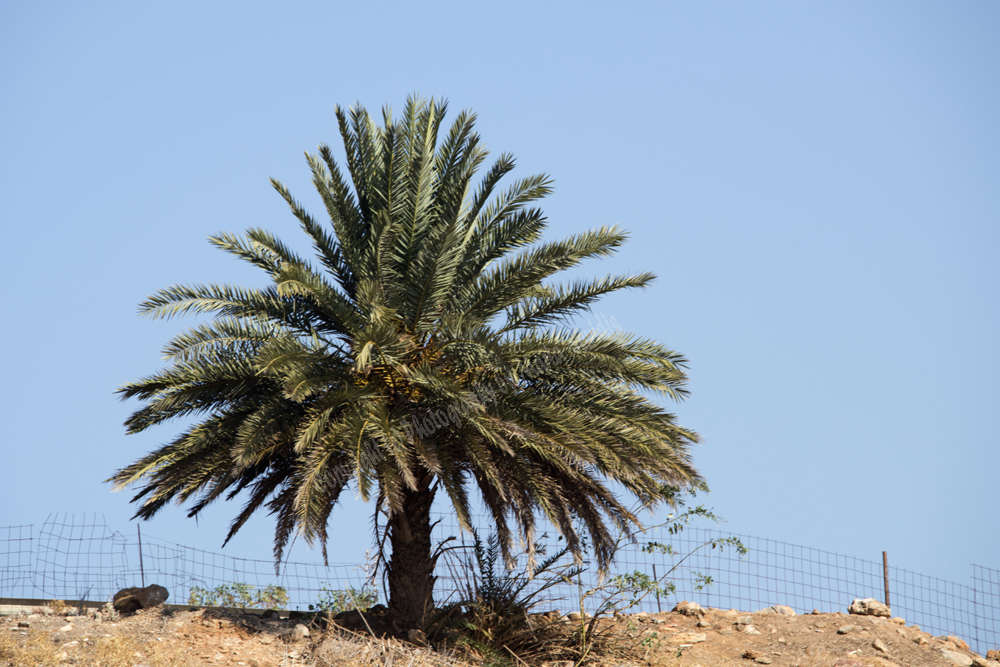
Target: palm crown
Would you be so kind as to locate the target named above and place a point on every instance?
(426, 351)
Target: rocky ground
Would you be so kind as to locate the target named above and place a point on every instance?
(707, 638)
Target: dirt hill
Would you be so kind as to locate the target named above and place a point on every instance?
(176, 638)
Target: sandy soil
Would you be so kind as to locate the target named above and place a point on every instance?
(162, 638)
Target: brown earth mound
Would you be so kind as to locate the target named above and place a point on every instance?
(162, 638)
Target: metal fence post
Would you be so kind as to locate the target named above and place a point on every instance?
(142, 569)
(885, 576)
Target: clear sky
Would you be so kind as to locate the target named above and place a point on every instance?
(817, 186)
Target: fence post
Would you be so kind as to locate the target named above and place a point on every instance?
(659, 610)
(885, 577)
(142, 570)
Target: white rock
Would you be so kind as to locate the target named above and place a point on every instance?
(779, 609)
(296, 634)
(869, 607)
(689, 608)
(957, 658)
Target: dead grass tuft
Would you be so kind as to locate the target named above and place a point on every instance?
(31, 649)
(58, 607)
(37, 649)
(344, 649)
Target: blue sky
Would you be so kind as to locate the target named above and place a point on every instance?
(817, 186)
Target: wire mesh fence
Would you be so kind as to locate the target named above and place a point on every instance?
(803, 578)
(84, 559)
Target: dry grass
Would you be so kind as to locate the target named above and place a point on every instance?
(346, 649)
(39, 649)
(58, 607)
(33, 649)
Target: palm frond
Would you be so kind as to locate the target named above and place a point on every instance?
(426, 347)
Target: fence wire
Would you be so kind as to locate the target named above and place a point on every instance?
(84, 559)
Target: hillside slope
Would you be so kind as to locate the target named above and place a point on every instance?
(712, 638)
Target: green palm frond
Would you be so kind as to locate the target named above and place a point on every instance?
(427, 345)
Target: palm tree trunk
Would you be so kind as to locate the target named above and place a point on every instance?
(411, 564)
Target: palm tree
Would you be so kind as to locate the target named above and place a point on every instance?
(426, 353)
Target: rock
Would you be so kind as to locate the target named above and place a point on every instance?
(417, 636)
(704, 624)
(957, 658)
(763, 660)
(689, 608)
(958, 642)
(23, 624)
(844, 629)
(296, 634)
(983, 662)
(750, 654)
(880, 646)
(869, 607)
(875, 661)
(350, 620)
(125, 601)
(993, 654)
(66, 628)
(129, 600)
(779, 609)
(750, 630)
(688, 638)
(270, 613)
(745, 620)
(152, 596)
(897, 620)
(355, 621)
(848, 662)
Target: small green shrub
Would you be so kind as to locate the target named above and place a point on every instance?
(495, 619)
(239, 594)
(336, 600)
